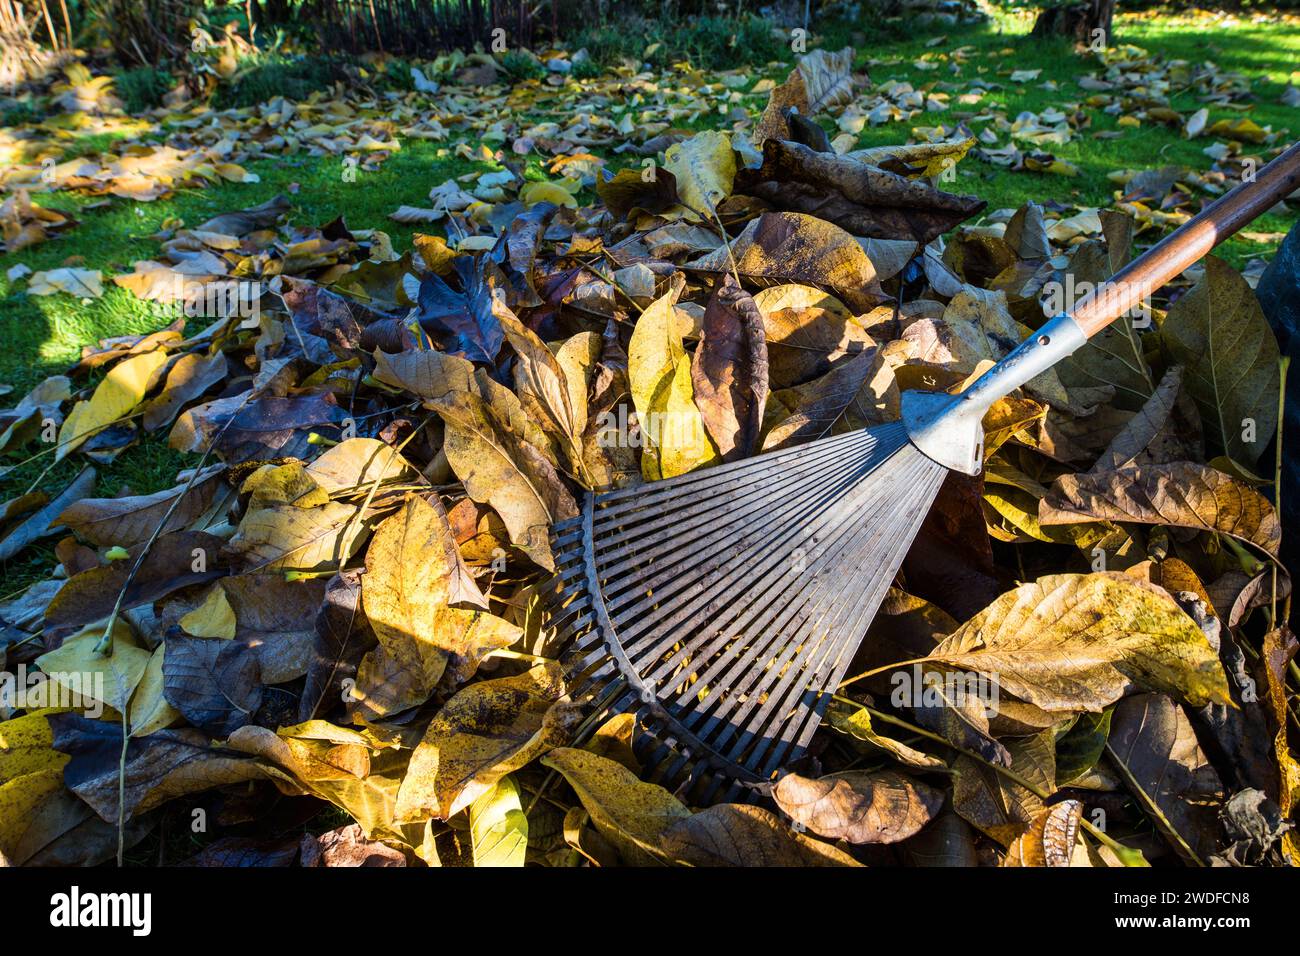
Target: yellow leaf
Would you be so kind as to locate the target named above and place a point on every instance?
(344, 774)
(27, 746)
(630, 814)
(410, 574)
(119, 393)
(659, 370)
(150, 710)
(533, 193)
(286, 537)
(1078, 642)
(355, 464)
(213, 618)
(504, 460)
(705, 168)
(498, 827)
(76, 665)
(489, 729)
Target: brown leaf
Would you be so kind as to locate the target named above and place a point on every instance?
(729, 371)
(1154, 744)
(805, 343)
(164, 765)
(1051, 838)
(1180, 494)
(882, 806)
(994, 803)
(790, 247)
(864, 200)
(629, 191)
(342, 637)
(793, 93)
(130, 520)
(176, 560)
(187, 379)
(348, 846)
(1148, 437)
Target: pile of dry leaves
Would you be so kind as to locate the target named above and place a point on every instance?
(339, 602)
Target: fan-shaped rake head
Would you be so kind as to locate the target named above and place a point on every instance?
(722, 607)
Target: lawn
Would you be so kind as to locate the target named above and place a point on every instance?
(44, 334)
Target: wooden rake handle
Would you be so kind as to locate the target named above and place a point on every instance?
(1190, 242)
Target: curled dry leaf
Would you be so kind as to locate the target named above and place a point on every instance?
(1052, 837)
(544, 390)
(730, 371)
(827, 78)
(882, 806)
(1180, 494)
(862, 199)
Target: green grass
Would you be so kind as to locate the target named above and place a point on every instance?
(1264, 52)
(44, 335)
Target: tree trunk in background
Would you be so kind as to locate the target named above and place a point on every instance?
(1087, 23)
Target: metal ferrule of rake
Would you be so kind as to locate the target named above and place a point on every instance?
(722, 607)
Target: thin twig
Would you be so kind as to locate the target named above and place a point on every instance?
(105, 645)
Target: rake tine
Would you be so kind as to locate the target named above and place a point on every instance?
(810, 497)
(695, 584)
(818, 680)
(803, 637)
(733, 628)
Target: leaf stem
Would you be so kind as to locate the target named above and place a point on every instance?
(1283, 364)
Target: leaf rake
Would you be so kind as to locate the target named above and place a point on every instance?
(722, 607)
